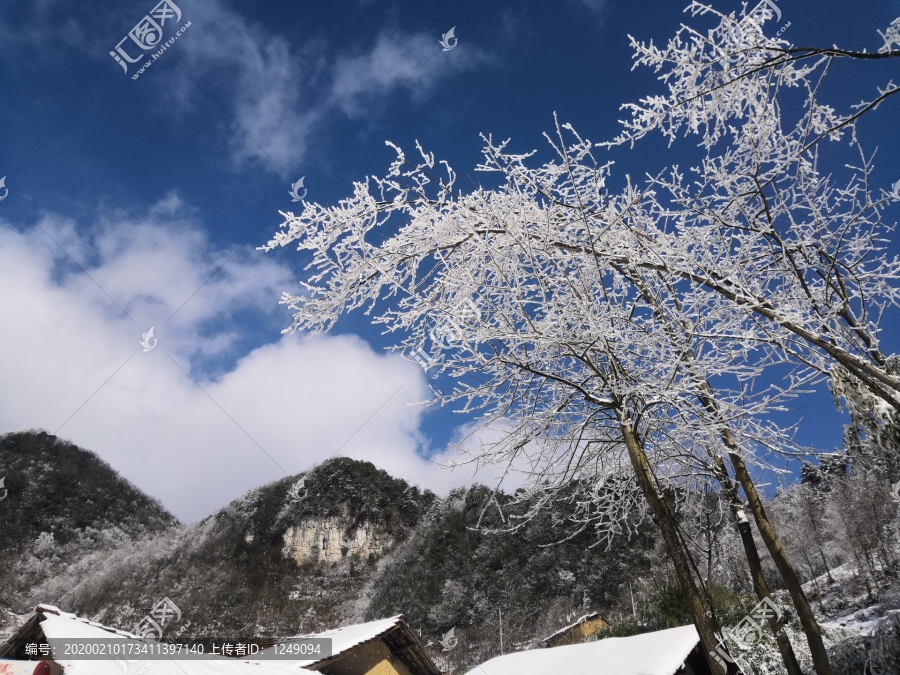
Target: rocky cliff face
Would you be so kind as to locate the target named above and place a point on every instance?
(280, 560)
(334, 539)
(349, 512)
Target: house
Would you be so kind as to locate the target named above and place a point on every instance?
(575, 633)
(383, 647)
(675, 651)
(49, 622)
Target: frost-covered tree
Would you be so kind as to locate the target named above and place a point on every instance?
(568, 354)
(757, 221)
(802, 519)
(588, 326)
(865, 510)
(576, 358)
(872, 439)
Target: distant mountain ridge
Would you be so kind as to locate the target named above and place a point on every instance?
(341, 543)
(56, 487)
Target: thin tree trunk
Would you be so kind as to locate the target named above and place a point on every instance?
(871, 563)
(801, 604)
(666, 523)
(825, 563)
(879, 537)
(815, 580)
(707, 398)
(808, 503)
(756, 573)
(782, 562)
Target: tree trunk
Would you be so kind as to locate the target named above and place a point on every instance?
(804, 611)
(666, 523)
(815, 581)
(887, 567)
(825, 564)
(756, 573)
(782, 562)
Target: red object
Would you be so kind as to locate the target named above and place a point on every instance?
(24, 667)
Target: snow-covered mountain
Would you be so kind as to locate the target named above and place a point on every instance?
(344, 542)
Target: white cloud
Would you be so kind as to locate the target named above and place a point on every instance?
(392, 60)
(299, 399)
(475, 442)
(599, 8)
(268, 84)
(283, 92)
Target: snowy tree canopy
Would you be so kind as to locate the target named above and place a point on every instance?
(759, 221)
(505, 291)
(558, 307)
(605, 329)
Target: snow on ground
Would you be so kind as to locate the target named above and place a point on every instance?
(847, 608)
(658, 653)
(841, 574)
(344, 638)
(860, 622)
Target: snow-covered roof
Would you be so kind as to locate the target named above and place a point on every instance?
(78, 625)
(58, 624)
(344, 638)
(393, 632)
(660, 653)
(348, 637)
(578, 622)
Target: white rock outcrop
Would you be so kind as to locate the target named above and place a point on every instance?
(328, 540)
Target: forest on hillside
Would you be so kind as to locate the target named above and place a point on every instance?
(475, 561)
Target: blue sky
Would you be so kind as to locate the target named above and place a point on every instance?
(127, 195)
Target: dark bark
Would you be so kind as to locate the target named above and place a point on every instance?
(783, 563)
(666, 521)
(756, 572)
(776, 550)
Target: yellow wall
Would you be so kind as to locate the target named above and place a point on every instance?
(577, 634)
(592, 626)
(373, 658)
